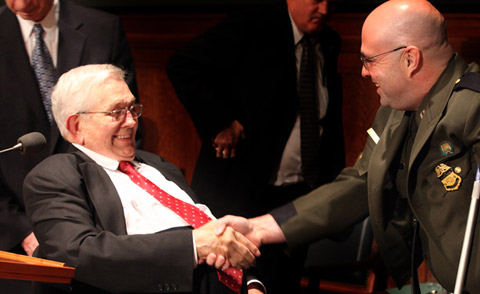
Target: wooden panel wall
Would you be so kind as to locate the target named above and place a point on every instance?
(153, 39)
(170, 132)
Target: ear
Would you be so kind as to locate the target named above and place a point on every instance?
(413, 60)
(74, 127)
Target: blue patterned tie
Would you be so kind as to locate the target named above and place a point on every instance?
(44, 70)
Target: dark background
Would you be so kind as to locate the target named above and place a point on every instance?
(155, 6)
(157, 28)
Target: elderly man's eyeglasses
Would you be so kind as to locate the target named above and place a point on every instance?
(367, 60)
(121, 113)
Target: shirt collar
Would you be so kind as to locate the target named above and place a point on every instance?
(297, 34)
(48, 23)
(437, 90)
(101, 160)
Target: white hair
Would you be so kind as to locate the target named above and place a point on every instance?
(75, 90)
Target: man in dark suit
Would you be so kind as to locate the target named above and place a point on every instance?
(416, 172)
(74, 35)
(87, 212)
(240, 84)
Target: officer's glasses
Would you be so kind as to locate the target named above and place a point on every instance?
(367, 61)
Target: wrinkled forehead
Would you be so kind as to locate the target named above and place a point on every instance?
(114, 93)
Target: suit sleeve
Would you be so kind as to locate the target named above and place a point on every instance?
(201, 74)
(330, 209)
(69, 230)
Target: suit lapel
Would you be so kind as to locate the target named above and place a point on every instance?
(16, 70)
(70, 48)
(435, 103)
(12, 41)
(103, 195)
(12, 47)
(70, 40)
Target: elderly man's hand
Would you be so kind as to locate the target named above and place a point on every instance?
(229, 248)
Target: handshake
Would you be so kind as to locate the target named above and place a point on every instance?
(234, 241)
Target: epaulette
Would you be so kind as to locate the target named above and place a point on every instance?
(469, 81)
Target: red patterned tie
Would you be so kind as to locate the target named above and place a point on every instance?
(231, 277)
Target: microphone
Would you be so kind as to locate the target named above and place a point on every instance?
(30, 143)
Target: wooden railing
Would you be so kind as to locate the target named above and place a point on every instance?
(22, 267)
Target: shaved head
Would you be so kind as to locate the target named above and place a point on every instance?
(407, 22)
(405, 50)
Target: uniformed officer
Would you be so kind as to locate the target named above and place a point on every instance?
(415, 175)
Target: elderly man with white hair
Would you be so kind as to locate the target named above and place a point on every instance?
(123, 217)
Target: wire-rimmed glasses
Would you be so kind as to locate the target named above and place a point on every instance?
(121, 113)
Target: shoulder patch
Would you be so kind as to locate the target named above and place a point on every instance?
(469, 81)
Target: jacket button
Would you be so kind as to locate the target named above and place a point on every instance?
(166, 287)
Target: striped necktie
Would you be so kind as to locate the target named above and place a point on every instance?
(309, 123)
(44, 70)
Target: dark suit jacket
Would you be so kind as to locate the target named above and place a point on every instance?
(78, 219)
(450, 119)
(244, 69)
(85, 36)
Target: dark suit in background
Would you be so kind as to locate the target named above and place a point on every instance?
(79, 219)
(85, 36)
(244, 69)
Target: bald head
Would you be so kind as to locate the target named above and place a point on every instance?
(409, 50)
(406, 22)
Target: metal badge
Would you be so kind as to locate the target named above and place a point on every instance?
(450, 180)
(446, 148)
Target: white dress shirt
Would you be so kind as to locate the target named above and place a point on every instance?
(143, 213)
